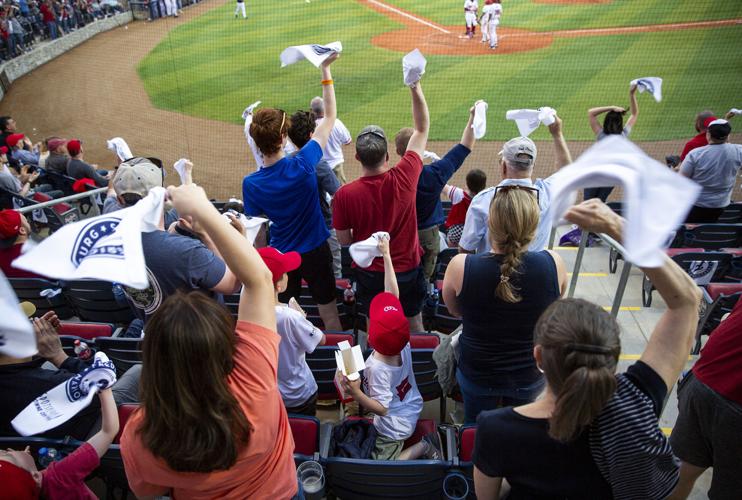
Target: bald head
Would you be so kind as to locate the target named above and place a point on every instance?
(318, 107)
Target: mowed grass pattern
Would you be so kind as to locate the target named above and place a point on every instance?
(216, 65)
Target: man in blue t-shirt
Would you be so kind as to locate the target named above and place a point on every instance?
(433, 179)
(285, 190)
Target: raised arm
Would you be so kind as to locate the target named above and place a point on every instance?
(668, 347)
(561, 151)
(593, 113)
(390, 279)
(257, 301)
(110, 423)
(634, 107)
(421, 120)
(324, 129)
(467, 138)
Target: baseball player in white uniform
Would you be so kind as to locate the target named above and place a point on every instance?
(470, 16)
(494, 22)
(240, 7)
(484, 20)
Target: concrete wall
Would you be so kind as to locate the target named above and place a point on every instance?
(45, 51)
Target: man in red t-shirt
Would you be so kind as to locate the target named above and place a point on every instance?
(383, 199)
(707, 432)
(702, 121)
(14, 231)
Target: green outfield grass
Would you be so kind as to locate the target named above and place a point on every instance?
(216, 65)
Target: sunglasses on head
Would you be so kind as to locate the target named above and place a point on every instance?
(374, 132)
(511, 187)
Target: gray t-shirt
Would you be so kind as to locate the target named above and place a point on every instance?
(78, 169)
(715, 168)
(9, 182)
(57, 163)
(174, 263)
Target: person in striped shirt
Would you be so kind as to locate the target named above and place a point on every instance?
(592, 433)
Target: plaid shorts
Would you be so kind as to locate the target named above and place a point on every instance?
(454, 234)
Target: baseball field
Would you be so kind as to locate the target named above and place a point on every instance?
(569, 54)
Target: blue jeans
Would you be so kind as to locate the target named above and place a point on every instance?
(52, 29)
(479, 398)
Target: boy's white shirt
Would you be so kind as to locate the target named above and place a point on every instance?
(298, 337)
(384, 384)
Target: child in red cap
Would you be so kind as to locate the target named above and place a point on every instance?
(20, 479)
(298, 337)
(390, 390)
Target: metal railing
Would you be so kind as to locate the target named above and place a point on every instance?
(623, 279)
(73, 197)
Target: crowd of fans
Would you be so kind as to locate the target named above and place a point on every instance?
(537, 372)
(25, 22)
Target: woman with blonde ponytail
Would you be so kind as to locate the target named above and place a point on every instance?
(500, 295)
(593, 433)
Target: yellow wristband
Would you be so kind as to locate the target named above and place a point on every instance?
(327, 82)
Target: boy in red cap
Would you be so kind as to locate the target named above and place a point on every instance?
(390, 390)
(298, 337)
(20, 479)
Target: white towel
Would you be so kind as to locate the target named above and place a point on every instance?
(252, 225)
(651, 84)
(107, 247)
(529, 120)
(430, 155)
(413, 67)
(656, 199)
(364, 252)
(66, 400)
(17, 337)
(180, 167)
(736, 111)
(314, 53)
(480, 120)
(119, 146)
(248, 110)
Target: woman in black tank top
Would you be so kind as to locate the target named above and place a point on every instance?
(500, 295)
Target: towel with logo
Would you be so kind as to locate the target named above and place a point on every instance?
(58, 405)
(651, 84)
(107, 247)
(314, 53)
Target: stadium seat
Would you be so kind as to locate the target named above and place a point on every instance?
(467, 433)
(305, 430)
(87, 331)
(703, 267)
(30, 289)
(58, 215)
(94, 300)
(732, 214)
(709, 236)
(442, 262)
(124, 352)
(352, 479)
(423, 345)
(721, 298)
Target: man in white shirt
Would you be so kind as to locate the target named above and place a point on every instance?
(518, 156)
(470, 16)
(339, 137)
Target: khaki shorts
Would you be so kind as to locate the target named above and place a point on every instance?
(430, 240)
(386, 448)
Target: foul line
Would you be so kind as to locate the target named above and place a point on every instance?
(409, 16)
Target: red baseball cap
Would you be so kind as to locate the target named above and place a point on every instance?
(10, 224)
(17, 483)
(708, 120)
(79, 185)
(388, 328)
(3, 150)
(73, 147)
(14, 139)
(279, 263)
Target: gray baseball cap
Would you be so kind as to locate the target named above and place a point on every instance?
(137, 176)
(520, 152)
(374, 130)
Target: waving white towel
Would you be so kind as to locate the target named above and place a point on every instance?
(651, 84)
(529, 120)
(16, 333)
(66, 400)
(656, 199)
(180, 167)
(314, 53)
(413, 67)
(364, 252)
(119, 146)
(430, 155)
(736, 111)
(107, 247)
(480, 119)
